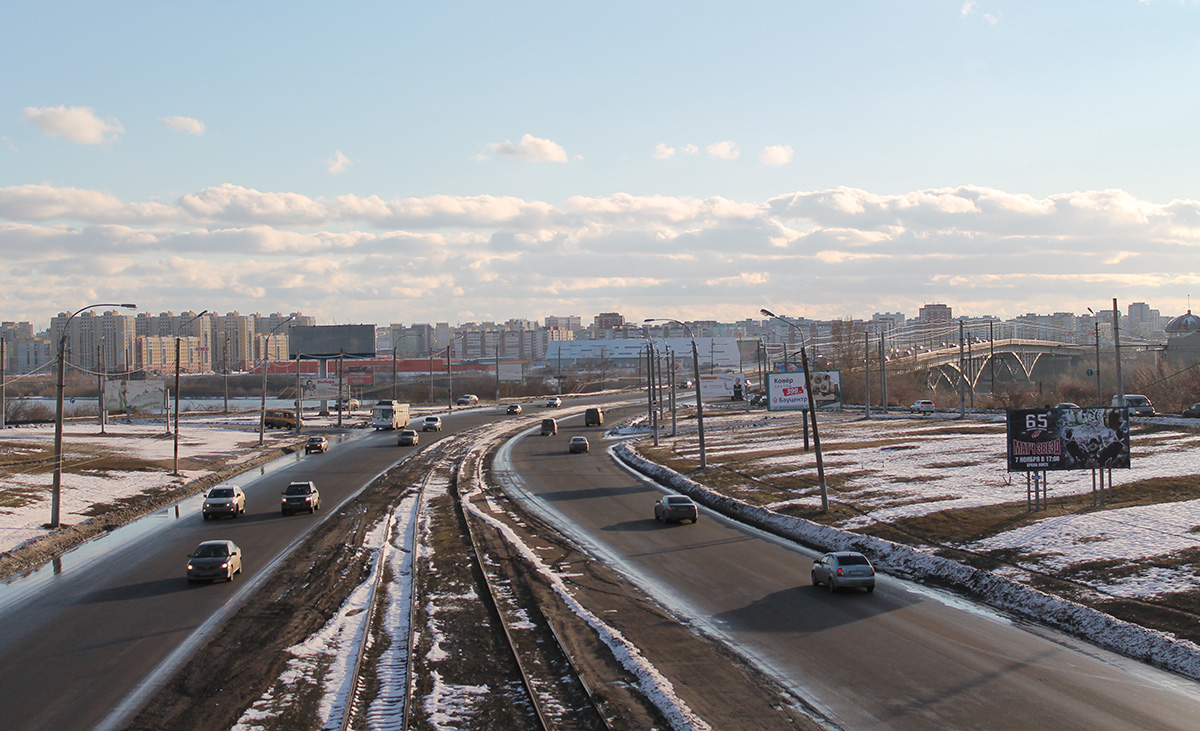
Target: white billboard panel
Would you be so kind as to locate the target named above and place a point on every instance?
(723, 386)
(144, 396)
(511, 372)
(785, 391)
(319, 389)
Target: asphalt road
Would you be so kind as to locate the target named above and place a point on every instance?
(79, 636)
(901, 658)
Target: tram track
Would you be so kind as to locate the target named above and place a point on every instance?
(523, 645)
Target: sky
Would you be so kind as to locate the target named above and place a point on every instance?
(468, 161)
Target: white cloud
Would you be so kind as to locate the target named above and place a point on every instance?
(776, 155)
(662, 151)
(74, 124)
(690, 150)
(184, 124)
(971, 7)
(339, 163)
(855, 249)
(725, 150)
(534, 149)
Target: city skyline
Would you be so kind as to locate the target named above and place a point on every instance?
(381, 163)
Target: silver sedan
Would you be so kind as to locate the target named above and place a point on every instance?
(843, 569)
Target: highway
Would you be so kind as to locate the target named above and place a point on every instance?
(82, 634)
(903, 657)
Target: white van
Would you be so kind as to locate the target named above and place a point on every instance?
(1137, 404)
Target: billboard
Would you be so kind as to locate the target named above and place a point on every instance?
(132, 396)
(318, 389)
(360, 375)
(723, 386)
(1067, 439)
(510, 372)
(330, 341)
(785, 391)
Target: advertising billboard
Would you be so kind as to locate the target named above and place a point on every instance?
(330, 341)
(510, 372)
(723, 386)
(1067, 439)
(133, 396)
(318, 389)
(785, 391)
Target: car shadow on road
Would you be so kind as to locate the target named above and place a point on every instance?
(635, 525)
(805, 609)
(594, 492)
(141, 590)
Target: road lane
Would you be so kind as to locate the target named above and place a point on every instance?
(81, 634)
(903, 657)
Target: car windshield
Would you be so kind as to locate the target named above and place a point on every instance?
(679, 501)
(432, 418)
(1138, 400)
(297, 489)
(853, 560)
(216, 551)
(315, 440)
(221, 492)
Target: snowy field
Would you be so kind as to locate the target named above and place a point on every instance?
(900, 466)
(25, 489)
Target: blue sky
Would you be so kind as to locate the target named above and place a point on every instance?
(461, 161)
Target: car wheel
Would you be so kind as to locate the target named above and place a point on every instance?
(694, 520)
(813, 577)
(832, 587)
(870, 588)
(204, 515)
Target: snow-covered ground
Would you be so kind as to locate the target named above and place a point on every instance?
(25, 490)
(901, 467)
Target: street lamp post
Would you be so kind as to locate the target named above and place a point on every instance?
(262, 414)
(178, 339)
(811, 407)
(56, 489)
(696, 375)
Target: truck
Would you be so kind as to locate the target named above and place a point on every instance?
(389, 415)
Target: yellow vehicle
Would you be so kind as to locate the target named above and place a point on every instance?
(279, 419)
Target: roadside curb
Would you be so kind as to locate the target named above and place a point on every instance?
(1157, 648)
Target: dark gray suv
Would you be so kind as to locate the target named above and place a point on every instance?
(300, 497)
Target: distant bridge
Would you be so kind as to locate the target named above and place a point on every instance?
(994, 361)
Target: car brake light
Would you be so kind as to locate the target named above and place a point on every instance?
(839, 572)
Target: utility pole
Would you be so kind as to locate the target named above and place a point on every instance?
(867, 375)
(225, 368)
(962, 384)
(3, 363)
(1117, 352)
(100, 378)
(883, 401)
